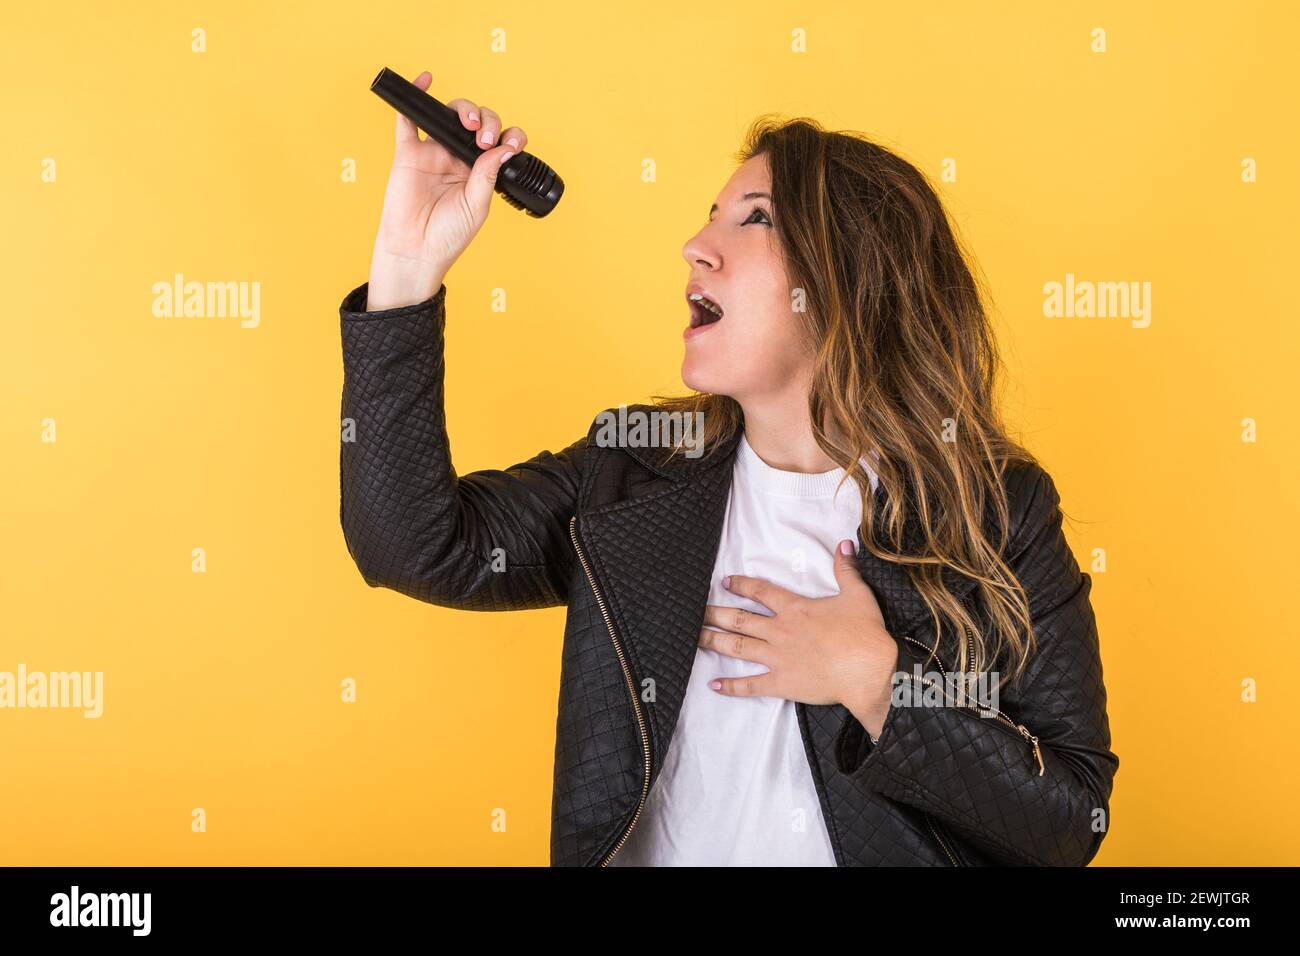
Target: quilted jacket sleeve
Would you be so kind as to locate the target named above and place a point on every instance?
(486, 541)
(979, 775)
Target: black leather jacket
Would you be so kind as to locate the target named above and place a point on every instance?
(628, 543)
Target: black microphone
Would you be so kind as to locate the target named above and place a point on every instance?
(524, 181)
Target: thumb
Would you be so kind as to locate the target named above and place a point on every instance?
(483, 178)
(846, 565)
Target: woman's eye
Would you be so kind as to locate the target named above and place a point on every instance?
(757, 212)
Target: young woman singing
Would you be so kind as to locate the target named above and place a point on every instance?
(851, 632)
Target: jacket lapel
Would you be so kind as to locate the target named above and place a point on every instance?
(653, 556)
(902, 605)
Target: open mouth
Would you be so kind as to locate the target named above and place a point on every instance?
(704, 311)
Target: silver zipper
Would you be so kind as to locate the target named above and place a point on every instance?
(982, 711)
(971, 631)
(939, 839)
(631, 687)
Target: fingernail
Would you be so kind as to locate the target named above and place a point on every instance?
(715, 684)
(726, 582)
(486, 138)
(513, 141)
(846, 546)
(506, 155)
(473, 116)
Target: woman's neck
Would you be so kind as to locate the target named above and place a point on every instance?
(780, 432)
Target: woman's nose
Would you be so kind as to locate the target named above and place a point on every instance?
(698, 251)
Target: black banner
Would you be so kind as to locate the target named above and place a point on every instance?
(207, 904)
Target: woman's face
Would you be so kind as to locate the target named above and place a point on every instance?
(755, 350)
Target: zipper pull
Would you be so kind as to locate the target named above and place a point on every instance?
(1038, 754)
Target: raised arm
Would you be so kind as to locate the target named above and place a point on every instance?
(490, 540)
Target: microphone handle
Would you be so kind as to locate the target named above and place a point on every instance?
(524, 181)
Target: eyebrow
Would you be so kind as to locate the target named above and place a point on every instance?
(744, 198)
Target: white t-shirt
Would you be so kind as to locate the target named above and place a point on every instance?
(736, 788)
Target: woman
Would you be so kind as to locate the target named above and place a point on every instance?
(765, 627)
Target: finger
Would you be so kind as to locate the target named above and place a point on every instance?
(407, 131)
(491, 128)
(468, 111)
(483, 179)
(740, 646)
(757, 685)
(739, 620)
(847, 574)
(516, 135)
(761, 591)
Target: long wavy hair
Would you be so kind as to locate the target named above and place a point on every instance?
(906, 366)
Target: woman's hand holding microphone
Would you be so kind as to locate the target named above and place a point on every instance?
(434, 204)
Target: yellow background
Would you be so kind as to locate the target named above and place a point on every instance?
(222, 690)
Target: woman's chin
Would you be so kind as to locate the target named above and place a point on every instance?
(696, 378)
(705, 380)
